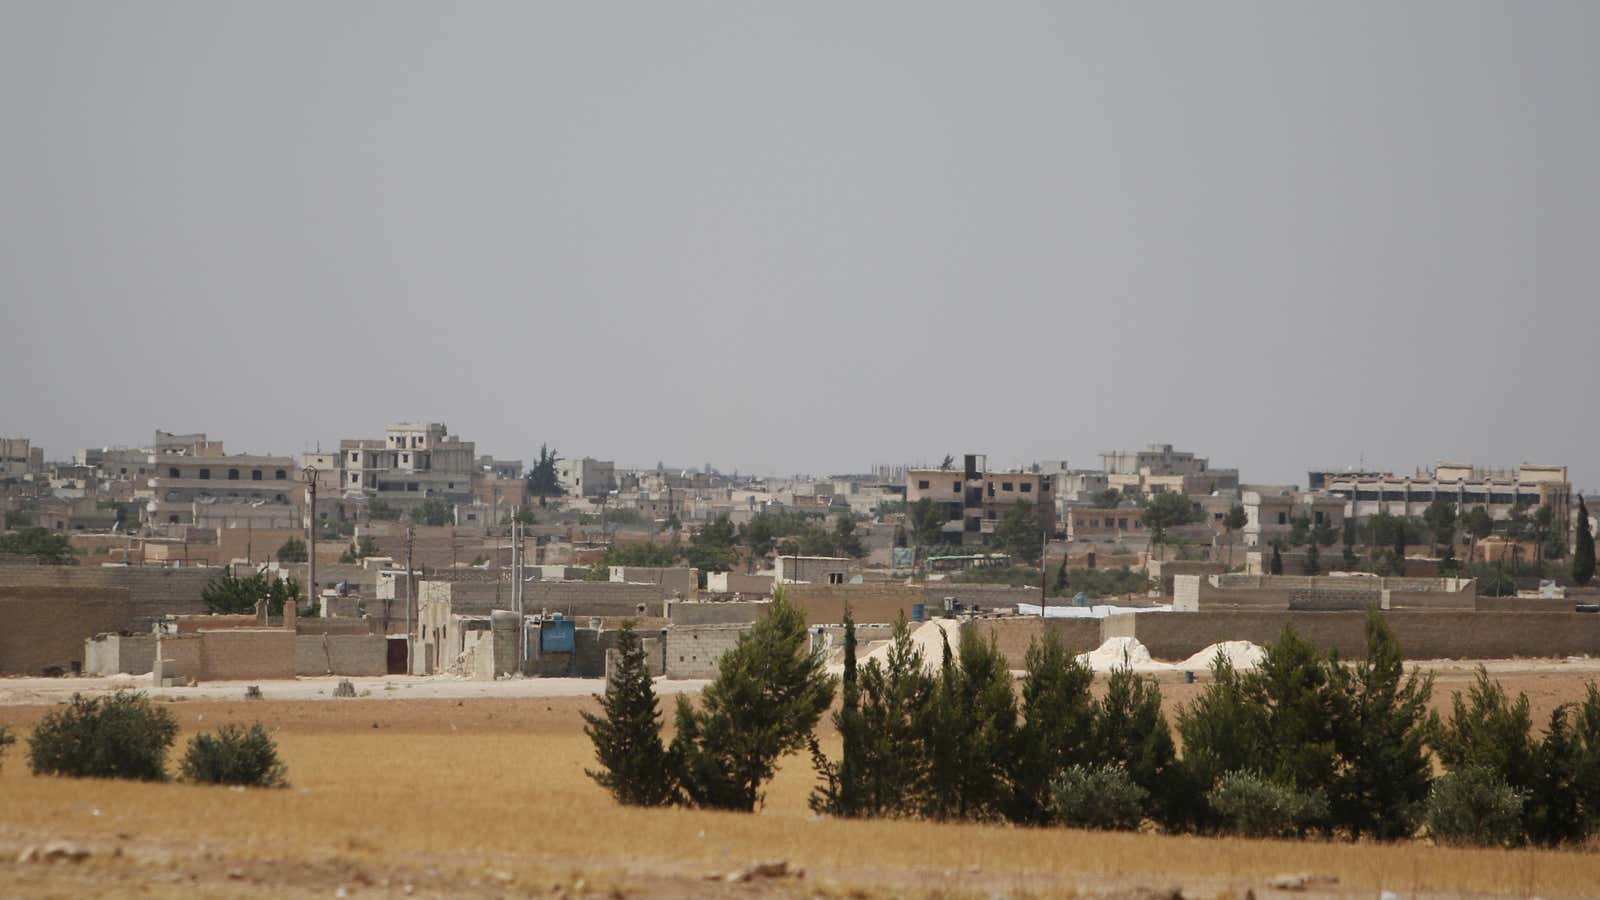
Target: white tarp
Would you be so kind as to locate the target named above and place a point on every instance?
(1087, 612)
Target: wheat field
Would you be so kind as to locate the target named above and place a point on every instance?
(488, 798)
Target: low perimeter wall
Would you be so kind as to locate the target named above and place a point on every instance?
(1422, 634)
(341, 654)
(119, 654)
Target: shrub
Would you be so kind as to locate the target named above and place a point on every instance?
(120, 736)
(1100, 797)
(6, 740)
(1475, 806)
(1251, 805)
(234, 755)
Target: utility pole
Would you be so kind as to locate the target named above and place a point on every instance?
(311, 539)
(1044, 544)
(411, 580)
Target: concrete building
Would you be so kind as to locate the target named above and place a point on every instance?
(1270, 517)
(1496, 490)
(812, 569)
(411, 463)
(19, 458)
(1159, 468)
(1091, 524)
(586, 477)
(972, 498)
(190, 474)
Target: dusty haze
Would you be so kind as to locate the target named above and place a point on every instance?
(808, 236)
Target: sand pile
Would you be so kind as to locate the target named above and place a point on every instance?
(924, 637)
(1120, 652)
(1242, 654)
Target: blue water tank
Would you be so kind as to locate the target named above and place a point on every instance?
(558, 637)
(919, 612)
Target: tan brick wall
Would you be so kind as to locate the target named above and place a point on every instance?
(243, 653)
(42, 627)
(824, 604)
(1013, 636)
(1423, 634)
(151, 591)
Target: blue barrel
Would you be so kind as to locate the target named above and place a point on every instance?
(919, 611)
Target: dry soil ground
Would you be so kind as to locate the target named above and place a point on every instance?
(486, 796)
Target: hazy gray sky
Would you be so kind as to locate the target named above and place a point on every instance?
(809, 236)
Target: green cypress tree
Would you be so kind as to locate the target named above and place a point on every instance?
(627, 737)
(969, 732)
(1131, 732)
(1293, 684)
(1058, 725)
(1276, 567)
(1060, 587)
(1400, 543)
(1380, 734)
(839, 793)
(1224, 730)
(766, 699)
(892, 699)
(1583, 548)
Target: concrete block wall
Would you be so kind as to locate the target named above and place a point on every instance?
(988, 596)
(729, 613)
(1013, 636)
(182, 655)
(152, 592)
(113, 654)
(576, 599)
(675, 581)
(341, 654)
(591, 649)
(824, 604)
(738, 583)
(693, 652)
(47, 627)
(245, 653)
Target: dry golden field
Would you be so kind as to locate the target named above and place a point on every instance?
(487, 797)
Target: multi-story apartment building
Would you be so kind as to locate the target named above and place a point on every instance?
(409, 464)
(18, 457)
(972, 498)
(1271, 516)
(199, 484)
(1498, 491)
(586, 476)
(1159, 468)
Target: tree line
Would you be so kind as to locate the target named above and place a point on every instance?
(1307, 744)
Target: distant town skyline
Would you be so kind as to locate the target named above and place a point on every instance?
(805, 238)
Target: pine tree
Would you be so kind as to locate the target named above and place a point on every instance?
(1380, 733)
(766, 699)
(1131, 732)
(1058, 725)
(893, 697)
(1583, 548)
(839, 794)
(627, 737)
(969, 729)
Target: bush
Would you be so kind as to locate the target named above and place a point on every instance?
(120, 736)
(234, 755)
(1475, 806)
(1100, 797)
(1253, 806)
(6, 740)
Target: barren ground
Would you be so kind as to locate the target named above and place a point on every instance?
(455, 788)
